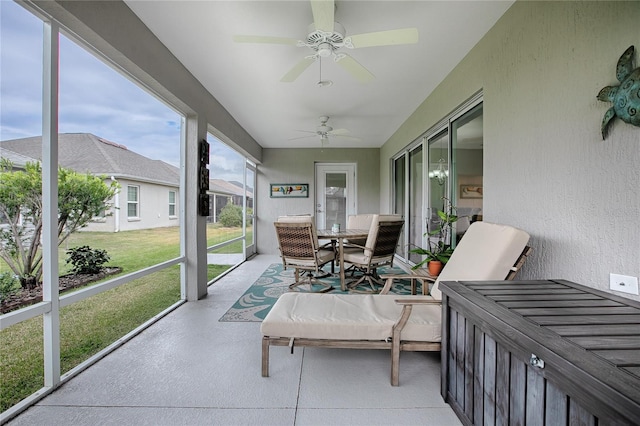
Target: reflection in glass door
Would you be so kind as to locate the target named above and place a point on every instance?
(438, 182)
(438, 176)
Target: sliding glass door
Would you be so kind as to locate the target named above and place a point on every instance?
(467, 184)
(442, 168)
(416, 197)
(399, 200)
(438, 185)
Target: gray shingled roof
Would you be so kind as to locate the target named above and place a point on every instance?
(87, 153)
(220, 186)
(18, 160)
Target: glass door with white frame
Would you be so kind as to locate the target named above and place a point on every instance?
(335, 194)
(467, 160)
(438, 182)
(399, 200)
(250, 223)
(416, 190)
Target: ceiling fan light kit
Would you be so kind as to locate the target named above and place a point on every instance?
(326, 132)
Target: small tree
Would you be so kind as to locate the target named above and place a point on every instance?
(80, 198)
(231, 216)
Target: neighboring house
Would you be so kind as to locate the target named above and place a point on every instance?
(221, 193)
(18, 161)
(149, 189)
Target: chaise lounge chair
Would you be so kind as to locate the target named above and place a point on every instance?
(386, 321)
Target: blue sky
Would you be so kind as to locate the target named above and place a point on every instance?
(93, 98)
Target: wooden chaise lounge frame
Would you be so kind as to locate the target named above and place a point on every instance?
(509, 241)
(395, 344)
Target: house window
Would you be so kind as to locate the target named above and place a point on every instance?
(172, 203)
(132, 201)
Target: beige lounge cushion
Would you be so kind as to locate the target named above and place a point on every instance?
(486, 252)
(349, 317)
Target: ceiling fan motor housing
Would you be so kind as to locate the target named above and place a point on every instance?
(324, 129)
(322, 41)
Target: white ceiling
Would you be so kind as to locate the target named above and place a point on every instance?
(245, 77)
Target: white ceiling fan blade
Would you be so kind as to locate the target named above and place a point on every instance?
(264, 39)
(355, 69)
(302, 137)
(340, 132)
(323, 14)
(385, 38)
(297, 69)
(351, 138)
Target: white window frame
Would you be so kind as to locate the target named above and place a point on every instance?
(172, 205)
(136, 202)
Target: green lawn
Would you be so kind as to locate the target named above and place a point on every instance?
(91, 325)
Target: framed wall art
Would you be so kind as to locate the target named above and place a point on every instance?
(470, 191)
(289, 190)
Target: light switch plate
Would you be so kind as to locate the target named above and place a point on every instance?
(623, 283)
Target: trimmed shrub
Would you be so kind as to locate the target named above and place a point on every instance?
(86, 260)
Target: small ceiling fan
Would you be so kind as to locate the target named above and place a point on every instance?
(326, 37)
(325, 132)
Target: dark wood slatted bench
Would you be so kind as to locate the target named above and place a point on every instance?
(546, 352)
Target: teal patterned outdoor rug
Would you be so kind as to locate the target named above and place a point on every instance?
(257, 301)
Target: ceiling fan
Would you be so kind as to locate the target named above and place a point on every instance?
(326, 37)
(324, 132)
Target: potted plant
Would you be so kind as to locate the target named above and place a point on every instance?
(438, 250)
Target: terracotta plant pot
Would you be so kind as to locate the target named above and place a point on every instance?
(434, 267)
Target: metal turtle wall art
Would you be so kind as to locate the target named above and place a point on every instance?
(625, 97)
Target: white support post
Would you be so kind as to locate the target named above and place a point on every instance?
(193, 238)
(50, 291)
(182, 219)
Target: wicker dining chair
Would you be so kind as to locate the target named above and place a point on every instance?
(299, 248)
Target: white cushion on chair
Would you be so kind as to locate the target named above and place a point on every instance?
(325, 256)
(349, 317)
(359, 221)
(298, 218)
(486, 252)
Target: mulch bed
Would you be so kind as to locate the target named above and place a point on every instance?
(26, 297)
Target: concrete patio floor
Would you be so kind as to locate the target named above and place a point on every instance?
(191, 369)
